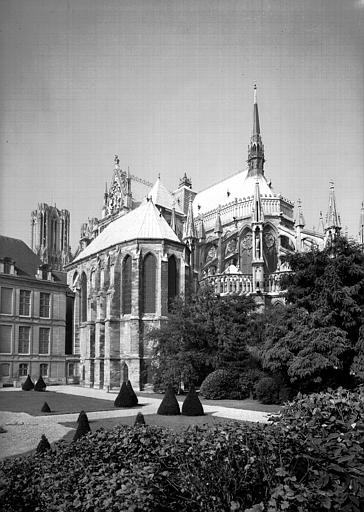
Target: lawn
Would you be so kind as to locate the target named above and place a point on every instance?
(176, 423)
(31, 402)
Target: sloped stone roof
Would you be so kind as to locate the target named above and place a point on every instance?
(26, 261)
(145, 222)
(239, 186)
(162, 197)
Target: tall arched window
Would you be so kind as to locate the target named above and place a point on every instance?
(83, 297)
(172, 280)
(126, 286)
(149, 284)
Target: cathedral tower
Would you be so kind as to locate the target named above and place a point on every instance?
(50, 235)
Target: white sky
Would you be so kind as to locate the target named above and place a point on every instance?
(167, 85)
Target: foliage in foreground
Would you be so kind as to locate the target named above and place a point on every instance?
(310, 460)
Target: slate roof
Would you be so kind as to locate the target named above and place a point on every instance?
(239, 185)
(26, 261)
(145, 222)
(162, 197)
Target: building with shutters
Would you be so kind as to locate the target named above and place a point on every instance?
(133, 261)
(35, 318)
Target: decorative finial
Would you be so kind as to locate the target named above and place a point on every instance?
(255, 92)
(116, 160)
(331, 183)
(159, 175)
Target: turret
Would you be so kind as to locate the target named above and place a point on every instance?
(299, 225)
(333, 223)
(256, 148)
(257, 228)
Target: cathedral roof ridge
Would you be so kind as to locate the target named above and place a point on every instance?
(144, 222)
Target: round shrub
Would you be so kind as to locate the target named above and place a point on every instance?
(139, 420)
(267, 390)
(27, 384)
(45, 408)
(40, 385)
(43, 445)
(192, 405)
(222, 384)
(124, 398)
(133, 396)
(169, 406)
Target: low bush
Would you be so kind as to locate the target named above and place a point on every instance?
(40, 385)
(169, 406)
(45, 408)
(267, 390)
(133, 397)
(83, 427)
(43, 445)
(310, 459)
(192, 405)
(27, 384)
(139, 420)
(124, 398)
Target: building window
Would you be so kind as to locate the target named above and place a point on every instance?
(71, 369)
(5, 339)
(112, 275)
(43, 370)
(23, 370)
(7, 266)
(126, 286)
(83, 298)
(44, 340)
(4, 370)
(6, 301)
(44, 305)
(172, 280)
(149, 284)
(24, 303)
(24, 340)
(93, 279)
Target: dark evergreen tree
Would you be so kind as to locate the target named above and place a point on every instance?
(83, 427)
(43, 445)
(124, 398)
(27, 384)
(133, 396)
(169, 406)
(192, 405)
(45, 408)
(40, 385)
(139, 420)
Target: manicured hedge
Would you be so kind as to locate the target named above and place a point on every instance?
(310, 459)
(40, 385)
(28, 384)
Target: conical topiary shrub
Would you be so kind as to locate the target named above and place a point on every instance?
(169, 405)
(192, 405)
(139, 420)
(124, 398)
(40, 385)
(27, 384)
(46, 408)
(82, 415)
(83, 427)
(132, 393)
(43, 445)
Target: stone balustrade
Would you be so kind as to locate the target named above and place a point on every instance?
(242, 284)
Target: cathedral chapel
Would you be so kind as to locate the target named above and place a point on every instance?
(134, 260)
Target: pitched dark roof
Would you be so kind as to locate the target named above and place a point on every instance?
(26, 261)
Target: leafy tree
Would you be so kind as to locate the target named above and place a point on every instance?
(314, 341)
(200, 335)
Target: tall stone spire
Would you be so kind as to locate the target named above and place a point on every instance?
(189, 231)
(333, 224)
(256, 147)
